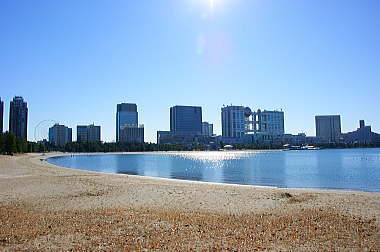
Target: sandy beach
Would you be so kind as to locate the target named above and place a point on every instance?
(46, 207)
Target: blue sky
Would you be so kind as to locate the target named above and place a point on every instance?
(73, 61)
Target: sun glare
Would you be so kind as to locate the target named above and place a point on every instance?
(211, 3)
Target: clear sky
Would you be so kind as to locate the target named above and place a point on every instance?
(74, 60)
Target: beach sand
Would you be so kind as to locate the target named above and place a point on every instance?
(46, 207)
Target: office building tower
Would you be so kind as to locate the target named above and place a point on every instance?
(233, 121)
(126, 115)
(269, 122)
(207, 129)
(328, 128)
(132, 134)
(1, 116)
(18, 117)
(186, 120)
(239, 121)
(59, 135)
(88, 133)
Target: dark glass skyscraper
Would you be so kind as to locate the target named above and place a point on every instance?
(1, 116)
(127, 124)
(186, 120)
(88, 133)
(18, 117)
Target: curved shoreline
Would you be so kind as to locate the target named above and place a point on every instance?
(311, 189)
(69, 208)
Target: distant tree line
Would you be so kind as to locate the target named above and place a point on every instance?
(347, 145)
(322, 146)
(9, 144)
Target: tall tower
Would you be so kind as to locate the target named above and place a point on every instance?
(328, 127)
(18, 117)
(1, 116)
(126, 115)
(186, 120)
(233, 121)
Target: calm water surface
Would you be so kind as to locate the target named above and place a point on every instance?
(355, 169)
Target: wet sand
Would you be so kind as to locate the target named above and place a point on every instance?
(46, 207)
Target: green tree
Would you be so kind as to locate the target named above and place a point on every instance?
(1, 143)
(10, 146)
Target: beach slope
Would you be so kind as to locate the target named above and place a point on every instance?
(45, 207)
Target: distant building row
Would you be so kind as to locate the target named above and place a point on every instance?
(240, 125)
(127, 129)
(328, 130)
(238, 122)
(60, 135)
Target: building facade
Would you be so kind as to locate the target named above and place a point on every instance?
(126, 115)
(207, 129)
(328, 128)
(59, 135)
(18, 117)
(1, 116)
(132, 134)
(186, 120)
(237, 121)
(233, 121)
(88, 133)
(363, 135)
(269, 122)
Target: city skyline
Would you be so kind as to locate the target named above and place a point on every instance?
(308, 58)
(131, 120)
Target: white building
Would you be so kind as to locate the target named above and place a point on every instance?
(233, 121)
(239, 120)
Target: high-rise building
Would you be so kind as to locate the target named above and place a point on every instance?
(88, 133)
(186, 120)
(60, 135)
(237, 121)
(126, 115)
(1, 116)
(18, 117)
(269, 122)
(207, 129)
(328, 128)
(132, 134)
(233, 121)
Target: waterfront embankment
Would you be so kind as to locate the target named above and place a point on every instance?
(46, 207)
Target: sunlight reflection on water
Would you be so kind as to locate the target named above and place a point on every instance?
(355, 169)
(215, 156)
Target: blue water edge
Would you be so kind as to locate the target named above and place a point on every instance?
(348, 169)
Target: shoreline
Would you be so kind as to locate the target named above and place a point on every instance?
(306, 189)
(78, 209)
